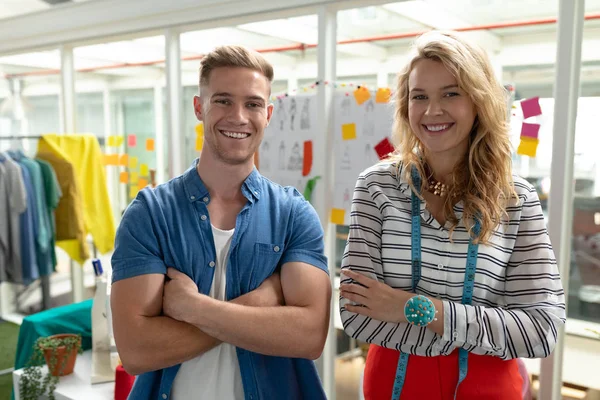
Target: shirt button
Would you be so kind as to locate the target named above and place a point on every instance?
(276, 248)
(256, 193)
(440, 266)
(191, 198)
(212, 264)
(455, 335)
(205, 199)
(203, 218)
(164, 396)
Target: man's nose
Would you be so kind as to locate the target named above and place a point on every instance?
(238, 114)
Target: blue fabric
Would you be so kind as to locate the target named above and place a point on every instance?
(170, 226)
(29, 231)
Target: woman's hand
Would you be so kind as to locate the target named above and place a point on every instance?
(375, 299)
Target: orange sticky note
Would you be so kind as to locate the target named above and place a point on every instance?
(133, 191)
(200, 129)
(361, 95)
(149, 144)
(337, 216)
(123, 160)
(383, 95)
(133, 161)
(528, 146)
(111, 159)
(144, 169)
(349, 131)
(199, 143)
(124, 177)
(142, 183)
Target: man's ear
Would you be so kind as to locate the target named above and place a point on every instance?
(198, 107)
(270, 108)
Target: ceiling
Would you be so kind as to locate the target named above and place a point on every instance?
(13, 8)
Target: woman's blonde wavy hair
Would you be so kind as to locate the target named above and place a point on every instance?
(483, 179)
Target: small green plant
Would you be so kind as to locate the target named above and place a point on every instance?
(57, 352)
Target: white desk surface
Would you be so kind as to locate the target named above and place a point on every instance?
(75, 386)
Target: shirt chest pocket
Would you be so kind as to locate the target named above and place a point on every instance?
(265, 261)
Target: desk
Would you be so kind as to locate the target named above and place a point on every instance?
(75, 386)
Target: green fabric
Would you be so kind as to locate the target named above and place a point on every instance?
(53, 195)
(72, 318)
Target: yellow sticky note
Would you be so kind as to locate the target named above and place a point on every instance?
(133, 191)
(144, 169)
(133, 161)
(118, 141)
(361, 95)
(349, 131)
(337, 216)
(111, 159)
(149, 144)
(134, 178)
(200, 129)
(124, 177)
(142, 183)
(199, 143)
(383, 95)
(112, 142)
(123, 160)
(528, 146)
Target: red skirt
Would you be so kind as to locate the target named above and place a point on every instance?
(435, 378)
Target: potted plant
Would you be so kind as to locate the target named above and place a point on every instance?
(59, 352)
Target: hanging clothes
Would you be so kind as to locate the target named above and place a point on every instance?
(14, 203)
(84, 154)
(53, 195)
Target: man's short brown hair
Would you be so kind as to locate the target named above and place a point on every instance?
(236, 57)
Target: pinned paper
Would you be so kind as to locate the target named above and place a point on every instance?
(310, 186)
(383, 95)
(199, 143)
(133, 191)
(131, 140)
(528, 147)
(531, 107)
(384, 148)
(134, 178)
(308, 158)
(200, 129)
(142, 183)
(111, 141)
(118, 141)
(133, 162)
(530, 130)
(149, 144)
(361, 95)
(349, 131)
(124, 177)
(338, 216)
(111, 159)
(144, 169)
(124, 160)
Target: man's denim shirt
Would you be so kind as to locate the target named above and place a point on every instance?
(169, 226)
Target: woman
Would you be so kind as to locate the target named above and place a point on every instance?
(446, 219)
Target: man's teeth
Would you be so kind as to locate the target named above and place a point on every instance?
(235, 135)
(437, 128)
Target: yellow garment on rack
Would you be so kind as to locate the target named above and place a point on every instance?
(83, 151)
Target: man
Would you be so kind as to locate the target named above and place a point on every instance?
(246, 302)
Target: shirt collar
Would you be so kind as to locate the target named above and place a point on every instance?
(195, 189)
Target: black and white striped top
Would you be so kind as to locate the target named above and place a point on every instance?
(518, 300)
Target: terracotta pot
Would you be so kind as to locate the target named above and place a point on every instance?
(61, 353)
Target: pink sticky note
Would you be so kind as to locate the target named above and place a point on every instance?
(131, 140)
(531, 107)
(530, 130)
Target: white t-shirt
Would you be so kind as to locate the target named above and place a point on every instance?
(216, 373)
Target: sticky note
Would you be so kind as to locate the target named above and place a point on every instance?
(200, 129)
(530, 130)
(310, 186)
(134, 177)
(361, 95)
(123, 160)
(144, 169)
(133, 162)
(349, 131)
(131, 140)
(384, 148)
(124, 177)
(383, 95)
(111, 159)
(531, 107)
(142, 183)
(337, 216)
(528, 146)
(111, 141)
(199, 143)
(308, 158)
(118, 141)
(133, 191)
(149, 144)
